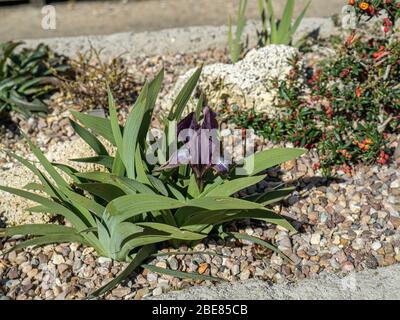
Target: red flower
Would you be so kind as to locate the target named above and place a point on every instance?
(386, 29)
(378, 55)
(350, 39)
(358, 92)
(345, 73)
(352, 2)
(383, 158)
(250, 117)
(387, 22)
(371, 10)
(316, 166)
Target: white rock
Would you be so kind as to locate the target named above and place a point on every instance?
(315, 239)
(152, 277)
(157, 291)
(376, 246)
(246, 83)
(57, 259)
(104, 260)
(395, 184)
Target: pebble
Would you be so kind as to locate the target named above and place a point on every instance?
(244, 275)
(121, 292)
(315, 239)
(58, 259)
(347, 266)
(157, 291)
(173, 263)
(152, 277)
(141, 293)
(376, 246)
(203, 267)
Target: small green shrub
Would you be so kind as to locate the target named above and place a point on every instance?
(28, 76)
(133, 205)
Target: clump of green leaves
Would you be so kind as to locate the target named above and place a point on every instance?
(273, 31)
(278, 31)
(132, 206)
(87, 89)
(27, 77)
(235, 45)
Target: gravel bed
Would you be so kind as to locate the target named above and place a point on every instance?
(346, 224)
(349, 223)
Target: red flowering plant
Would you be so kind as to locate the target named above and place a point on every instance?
(375, 8)
(349, 107)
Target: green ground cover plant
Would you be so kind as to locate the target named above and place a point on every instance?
(27, 77)
(346, 108)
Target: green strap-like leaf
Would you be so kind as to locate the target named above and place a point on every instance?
(158, 185)
(149, 237)
(51, 206)
(85, 202)
(272, 19)
(184, 96)
(45, 163)
(223, 203)
(138, 259)
(176, 233)
(129, 186)
(120, 233)
(34, 186)
(154, 89)
(259, 241)
(69, 171)
(286, 21)
(38, 230)
(229, 188)
(270, 197)
(99, 125)
(105, 191)
(141, 169)
(89, 138)
(128, 206)
(296, 24)
(131, 133)
(204, 218)
(263, 160)
(49, 239)
(180, 274)
(118, 167)
(106, 161)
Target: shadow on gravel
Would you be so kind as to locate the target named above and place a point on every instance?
(7, 125)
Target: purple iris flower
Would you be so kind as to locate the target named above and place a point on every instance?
(201, 149)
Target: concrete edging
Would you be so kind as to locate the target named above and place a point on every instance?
(381, 284)
(168, 41)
